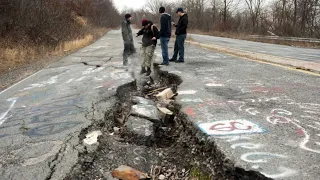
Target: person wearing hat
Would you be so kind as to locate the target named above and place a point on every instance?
(181, 33)
(149, 41)
(165, 34)
(126, 30)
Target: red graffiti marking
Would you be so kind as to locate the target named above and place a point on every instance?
(107, 84)
(190, 112)
(300, 132)
(231, 127)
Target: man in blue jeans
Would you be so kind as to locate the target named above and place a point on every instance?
(181, 33)
(165, 34)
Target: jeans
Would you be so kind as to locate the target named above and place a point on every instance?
(164, 47)
(179, 47)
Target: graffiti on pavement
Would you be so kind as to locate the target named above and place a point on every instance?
(51, 129)
(3, 116)
(231, 127)
(260, 159)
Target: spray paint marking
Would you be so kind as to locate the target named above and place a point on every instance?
(197, 100)
(190, 112)
(247, 145)
(231, 127)
(263, 156)
(187, 92)
(286, 172)
(3, 115)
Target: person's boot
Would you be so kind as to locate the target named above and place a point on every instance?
(148, 71)
(143, 70)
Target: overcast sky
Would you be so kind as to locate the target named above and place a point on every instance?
(135, 4)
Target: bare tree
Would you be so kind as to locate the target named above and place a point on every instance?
(254, 7)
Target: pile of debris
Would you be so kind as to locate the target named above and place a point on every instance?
(146, 114)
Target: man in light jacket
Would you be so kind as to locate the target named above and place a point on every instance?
(126, 30)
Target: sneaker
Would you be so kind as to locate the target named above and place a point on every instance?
(164, 64)
(179, 61)
(171, 60)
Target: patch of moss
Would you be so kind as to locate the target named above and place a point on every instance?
(196, 174)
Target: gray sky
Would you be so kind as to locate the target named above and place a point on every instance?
(135, 4)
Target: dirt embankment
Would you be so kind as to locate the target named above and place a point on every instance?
(34, 34)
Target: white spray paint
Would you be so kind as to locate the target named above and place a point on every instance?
(52, 80)
(192, 100)
(245, 157)
(286, 172)
(214, 85)
(252, 111)
(247, 145)
(3, 115)
(303, 144)
(234, 138)
(187, 92)
(20, 82)
(70, 80)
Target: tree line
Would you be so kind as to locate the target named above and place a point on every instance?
(49, 22)
(298, 18)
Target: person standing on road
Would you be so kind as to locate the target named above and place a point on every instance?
(165, 34)
(181, 33)
(126, 30)
(149, 41)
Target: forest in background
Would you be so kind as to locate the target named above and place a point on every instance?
(32, 29)
(293, 18)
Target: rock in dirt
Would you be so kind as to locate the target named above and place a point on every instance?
(92, 138)
(139, 126)
(127, 173)
(162, 177)
(91, 141)
(165, 110)
(141, 100)
(165, 94)
(165, 114)
(116, 129)
(149, 112)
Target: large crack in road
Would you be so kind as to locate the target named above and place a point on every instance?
(174, 150)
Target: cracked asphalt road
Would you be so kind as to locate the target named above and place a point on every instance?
(264, 118)
(42, 116)
(306, 54)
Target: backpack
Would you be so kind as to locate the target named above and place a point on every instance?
(152, 26)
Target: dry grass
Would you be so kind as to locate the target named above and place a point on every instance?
(74, 44)
(19, 56)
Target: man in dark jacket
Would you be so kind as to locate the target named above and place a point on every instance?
(149, 41)
(181, 33)
(165, 34)
(127, 39)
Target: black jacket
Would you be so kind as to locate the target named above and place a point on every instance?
(165, 24)
(148, 34)
(181, 27)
